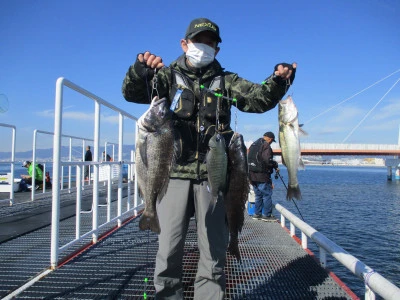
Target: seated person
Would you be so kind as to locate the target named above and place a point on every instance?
(108, 158)
(48, 181)
(26, 181)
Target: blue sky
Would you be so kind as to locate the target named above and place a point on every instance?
(341, 48)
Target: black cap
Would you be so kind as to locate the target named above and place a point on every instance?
(26, 163)
(200, 25)
(270, 135)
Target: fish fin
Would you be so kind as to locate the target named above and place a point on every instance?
(293, 192)
(163, 190)
(233, 249)
(214, 199)
(141, 192)
(149, 221)
(214, 202)
(301, 131)
(301, 164)
(143, 153)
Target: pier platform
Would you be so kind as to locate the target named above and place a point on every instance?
(121, 265)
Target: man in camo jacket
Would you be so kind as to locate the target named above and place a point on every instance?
(198, 90)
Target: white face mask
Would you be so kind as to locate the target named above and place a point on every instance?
(200, 55)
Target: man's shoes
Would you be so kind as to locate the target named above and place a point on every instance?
(256, 217)
(270, 218)
(28, 186)
(36, 187)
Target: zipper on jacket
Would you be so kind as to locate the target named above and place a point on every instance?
(200, 129)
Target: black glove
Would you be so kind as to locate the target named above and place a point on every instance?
(275, 164)
(290, 67)
(143, 71)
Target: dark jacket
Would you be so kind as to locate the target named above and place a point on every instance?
(194, 120)
(88, 155)
(267, 156)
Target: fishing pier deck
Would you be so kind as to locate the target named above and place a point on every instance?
(274, 266)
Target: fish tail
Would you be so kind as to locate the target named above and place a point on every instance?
(233, 249)
(149, 221)
(293, 192)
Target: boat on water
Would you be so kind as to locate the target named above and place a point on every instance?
(81, 240)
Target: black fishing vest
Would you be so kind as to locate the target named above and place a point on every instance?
(195, 114)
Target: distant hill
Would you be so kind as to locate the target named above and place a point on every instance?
(47, 154)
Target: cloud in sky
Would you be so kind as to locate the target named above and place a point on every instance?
(391, 110)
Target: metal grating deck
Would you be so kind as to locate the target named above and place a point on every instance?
(274, 266)
(23, 257)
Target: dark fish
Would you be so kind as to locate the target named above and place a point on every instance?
(217, 164)
(154, 158)
(238, 191)
(289, 141)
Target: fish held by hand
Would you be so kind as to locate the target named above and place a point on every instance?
(289, 141)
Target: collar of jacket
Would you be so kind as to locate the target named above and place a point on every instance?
(210, 71)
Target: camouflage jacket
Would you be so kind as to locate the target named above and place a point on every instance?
(250, 97)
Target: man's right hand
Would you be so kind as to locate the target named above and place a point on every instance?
(151, 60)
(146, 63)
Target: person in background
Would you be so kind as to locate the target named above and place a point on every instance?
(108, 158)
(189, 85)
(26, 182)
(88, 157)
(261, 180)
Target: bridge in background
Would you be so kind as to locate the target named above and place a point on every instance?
(344, 149)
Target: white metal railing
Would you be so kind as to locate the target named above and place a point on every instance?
(107, 153)
(374, 282)
(56, 249)
(331, 146)
(55, 180)
(11, 163)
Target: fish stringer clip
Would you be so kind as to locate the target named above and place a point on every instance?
(154, 86)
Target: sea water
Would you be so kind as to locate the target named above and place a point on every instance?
(355, 207)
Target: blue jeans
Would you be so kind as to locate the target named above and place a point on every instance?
(263, 201)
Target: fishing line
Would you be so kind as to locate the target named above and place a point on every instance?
(236, 116)
(217, 113)
(3, 103)
(380, 100)
(351, 97)
(276, 177)
(219, 97)
(146, 278)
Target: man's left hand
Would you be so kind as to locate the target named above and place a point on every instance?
(286, 71)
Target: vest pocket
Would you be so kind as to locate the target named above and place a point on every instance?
(184, 103)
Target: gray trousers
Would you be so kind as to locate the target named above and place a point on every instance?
(183, 199)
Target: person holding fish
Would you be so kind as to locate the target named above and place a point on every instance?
(260, 176)
(199, 93)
